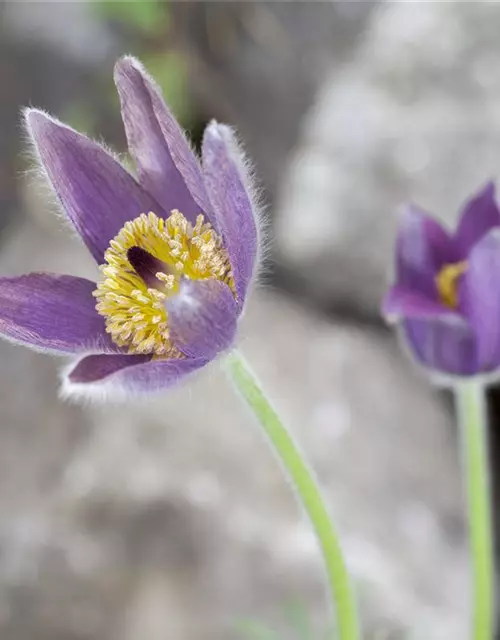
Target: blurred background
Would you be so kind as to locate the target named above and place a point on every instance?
(168, 518)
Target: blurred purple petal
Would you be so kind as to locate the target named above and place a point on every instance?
(51, 312)
(126, 374)
(98, 195)
(400, 301)
(479, 215)
(445, 344)
(148, 145)
(480, 298)
(202, 318)
(422, 248)
(233, 211)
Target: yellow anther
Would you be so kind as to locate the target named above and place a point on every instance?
(447, 283)
(167, 279)
(135, 312)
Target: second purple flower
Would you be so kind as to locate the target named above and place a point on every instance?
(446, 294)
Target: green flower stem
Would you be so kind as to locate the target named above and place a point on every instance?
(307, 491)
(472, 411)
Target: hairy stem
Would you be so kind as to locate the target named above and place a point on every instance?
(471, 409)
(307, 492)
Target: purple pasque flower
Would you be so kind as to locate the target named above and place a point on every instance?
(177, 249)
(446, 294)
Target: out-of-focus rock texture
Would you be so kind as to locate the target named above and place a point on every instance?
(168, 518)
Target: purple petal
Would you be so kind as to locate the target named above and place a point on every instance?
(479, 215)
(52, 312)
(180, 151)
(202, 318)
(147, 266)
(231, 203)
(402, 302)
(98, 195)
(94, 368)
(125, 374)
(445, 344)
(422, 248)
(158, 173)
(480, 298)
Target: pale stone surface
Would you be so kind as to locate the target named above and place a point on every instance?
(69, 30)
(412, 116)
(169, 518)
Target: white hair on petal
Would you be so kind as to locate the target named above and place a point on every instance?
(110, 389)
(89, 348)
(39, 174)
(96, 393)
(255, 193)
(33, 347)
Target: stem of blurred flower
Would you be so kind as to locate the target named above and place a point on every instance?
(307, 491)
(471, 408)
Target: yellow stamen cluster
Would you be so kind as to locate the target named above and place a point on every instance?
(135, 312)
(447, 283)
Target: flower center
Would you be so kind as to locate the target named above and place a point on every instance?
(447, 283)
(144, 266)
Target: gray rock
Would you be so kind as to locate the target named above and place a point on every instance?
(258, 65)
(71, 28)
(412, 116)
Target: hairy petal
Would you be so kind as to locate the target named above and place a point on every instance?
(202, 318)
(98, 195)
(141, 101)
(53, 313)
(232, 206)
(121, 375)
(422, 248)
(480, 298)
(442, 344)
(403, 302)
(182, 155)
(478, 217)
(95, 368)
